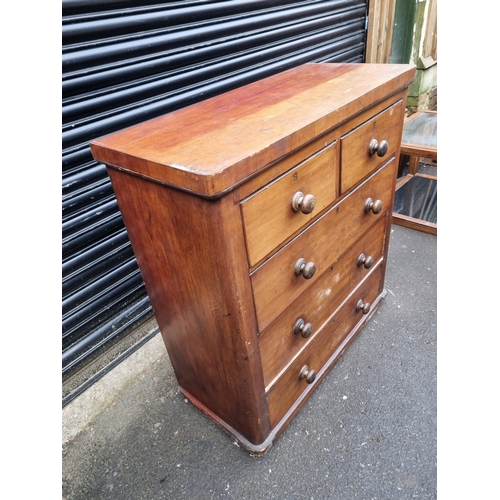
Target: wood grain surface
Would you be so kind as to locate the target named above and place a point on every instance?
(275, 284)
(268, 217)
(278, 344)
(284, 394)
(191, 275)
(210, 147)
(356, 163)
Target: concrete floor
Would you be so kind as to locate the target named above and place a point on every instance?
(368, 432)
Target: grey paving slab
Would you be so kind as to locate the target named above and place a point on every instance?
(368, 432)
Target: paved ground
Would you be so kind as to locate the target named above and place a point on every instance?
(368, 432)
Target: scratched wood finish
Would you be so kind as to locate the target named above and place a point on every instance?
(268, 218)
(194, 188)
(321, 349)
(265, 121)
(275, 284)
(278, 344)
(356, 163)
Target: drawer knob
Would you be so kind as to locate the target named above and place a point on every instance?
(304, 203)
(305, 329)
(373, 206)
(360, 306)
(379, 148)
(307, 270)
(309, 375)
(363, 260)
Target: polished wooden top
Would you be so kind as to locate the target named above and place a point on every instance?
(210, 147)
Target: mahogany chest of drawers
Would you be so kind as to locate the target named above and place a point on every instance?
(260, 220)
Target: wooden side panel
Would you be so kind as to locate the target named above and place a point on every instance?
(191, 254)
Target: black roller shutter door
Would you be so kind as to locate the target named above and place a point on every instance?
(124, 62)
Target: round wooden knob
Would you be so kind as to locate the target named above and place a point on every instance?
(360, 306)
(305, 329)
(373, 206)
(379, 148)
(306, 269)
(304, 203)
(363, 260)
(309, 375)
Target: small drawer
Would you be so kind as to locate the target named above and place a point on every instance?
(324, 349)
(366, 147)
(289, 334)
(277, 211)
(276, 283)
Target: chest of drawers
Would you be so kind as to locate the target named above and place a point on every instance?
(260, 221)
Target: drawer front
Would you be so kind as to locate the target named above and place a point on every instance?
(268, 215)
(357, 161)
(276, 285)
(290, 387)
(279, 344)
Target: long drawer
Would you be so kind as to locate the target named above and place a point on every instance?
(291, 332)
(276, 285)
(321, 349)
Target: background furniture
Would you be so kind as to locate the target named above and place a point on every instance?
(415, 203)
(260, 220)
